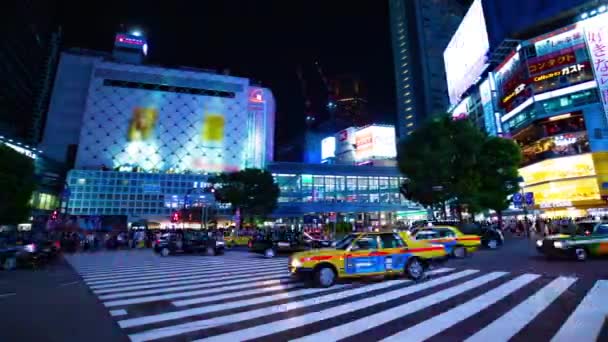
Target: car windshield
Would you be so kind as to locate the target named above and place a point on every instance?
(585, 228)
(345, 241)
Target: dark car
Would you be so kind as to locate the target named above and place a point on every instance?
(491, 237)
(190, 242)
(271, 242)
(586, 239)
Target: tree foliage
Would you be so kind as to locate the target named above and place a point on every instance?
(447, 160)
(252, 191)
(498, 163)
(17, 183)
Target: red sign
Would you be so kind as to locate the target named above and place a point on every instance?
(124, 39)
(550, 63)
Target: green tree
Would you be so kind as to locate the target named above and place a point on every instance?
(439, 161)
(252, 191)
(498, 169)
(17, 183)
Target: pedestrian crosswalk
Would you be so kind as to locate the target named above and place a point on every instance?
(241, 296)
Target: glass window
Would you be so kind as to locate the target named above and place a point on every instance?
(443, 232)
(391, 241)
(373, 183)
(366, 242)
(602, 229)
(345, 242)
(426, 235)
(363, 183)
(351, 184)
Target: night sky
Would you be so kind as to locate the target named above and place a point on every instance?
(262, 40)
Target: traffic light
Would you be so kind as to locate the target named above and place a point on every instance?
(175, 216)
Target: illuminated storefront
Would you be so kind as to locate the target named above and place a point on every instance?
(568, 183)
(550, 102)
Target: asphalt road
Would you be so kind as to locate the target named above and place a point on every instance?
(520, 255)
(509, 293)
(52, 304)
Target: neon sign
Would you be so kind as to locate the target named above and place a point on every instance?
(572, 69)
(550, 63)
(256, 95)
(514, 93)
(124, 39)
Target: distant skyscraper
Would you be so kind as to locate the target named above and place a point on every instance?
(29, 48)
(420, 31)
(348, 101)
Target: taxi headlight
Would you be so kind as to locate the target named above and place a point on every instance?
(559, 244)
(539, 243)
(295, 263)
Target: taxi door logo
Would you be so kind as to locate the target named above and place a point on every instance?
(213, 128)
(142, 123)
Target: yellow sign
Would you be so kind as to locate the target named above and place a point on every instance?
(142, 123)
(213, 128)
(558, 169)
(564, 193)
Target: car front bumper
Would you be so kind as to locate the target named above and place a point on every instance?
(301, 273)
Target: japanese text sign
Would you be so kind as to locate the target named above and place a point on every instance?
(596, 34)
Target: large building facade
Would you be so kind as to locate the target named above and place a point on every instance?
(550, 94)
(420, 31)
(144, 141)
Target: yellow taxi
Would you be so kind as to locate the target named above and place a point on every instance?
(236, 238)
(456, 243)
(366, 254)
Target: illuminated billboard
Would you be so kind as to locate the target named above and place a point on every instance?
(328, 148)
(570, 37)
(375, 141)
(465, 57)
(596, 36)
(462, 110)
(169, 120)
(558, 169)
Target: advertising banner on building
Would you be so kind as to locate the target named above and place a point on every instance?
(375, 142)
(567, 37)
(485, 92)
(328, 148)
(345, 145)
(596, 35)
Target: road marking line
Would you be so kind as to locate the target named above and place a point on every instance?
(437, 324)
(586, 322)
(133, 267)
(69, 283)
(362, 324)
(149, 299)
(197, 285)
(120, 312)
(177, 272)
(517, 318)
(219, 307)
(252, 314)
(218, 267)
(198, 279)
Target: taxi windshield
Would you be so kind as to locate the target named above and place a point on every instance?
(345, 241)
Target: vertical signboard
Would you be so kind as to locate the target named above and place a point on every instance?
(596, 36)
(485, 92)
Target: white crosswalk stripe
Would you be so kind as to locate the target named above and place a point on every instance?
(241, 296)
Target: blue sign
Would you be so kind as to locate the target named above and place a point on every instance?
(529, 198)
(517, 198)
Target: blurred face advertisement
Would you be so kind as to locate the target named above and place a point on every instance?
(142, 123)
(213, 128)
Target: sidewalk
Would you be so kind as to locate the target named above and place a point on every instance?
(52, 304)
